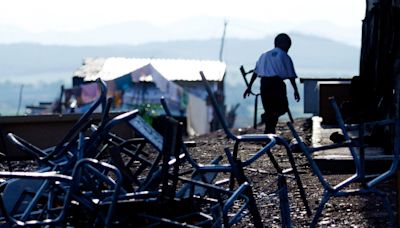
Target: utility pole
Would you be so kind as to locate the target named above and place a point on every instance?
(20, 98)
(221, 50)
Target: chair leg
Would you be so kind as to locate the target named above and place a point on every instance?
(284, 202)
(234, 155)
(274, 162)
(238, 172)
(321, 206)
(299, 183)
(297, 177)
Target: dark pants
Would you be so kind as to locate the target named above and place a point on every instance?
(274, 100)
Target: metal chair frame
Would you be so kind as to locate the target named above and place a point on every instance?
(367, 186)
(65, 150)
(258, 138)
(172, 144)
(58, 191)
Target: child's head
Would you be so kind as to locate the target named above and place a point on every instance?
(283, 41)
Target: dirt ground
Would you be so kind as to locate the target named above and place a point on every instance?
(355, 211)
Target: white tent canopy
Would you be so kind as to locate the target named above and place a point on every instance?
(171, 69)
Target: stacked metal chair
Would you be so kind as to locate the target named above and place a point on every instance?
(73, 188)
(209, 207)
(44, 196)
(55, 202)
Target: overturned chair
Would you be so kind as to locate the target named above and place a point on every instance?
(246, 138)
(367, 185)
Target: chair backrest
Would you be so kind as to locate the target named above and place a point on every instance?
(154, 138)
(94, 177)
(19, 206)
(350, 144)
(172, 145)
(184, 148)
(68, 141)
(101, 133)
(214, 103)
(89, 176)
(361, 127)
(340, 121)
(148, 132)
(105, 111)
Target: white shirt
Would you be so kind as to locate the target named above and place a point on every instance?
(275, 62)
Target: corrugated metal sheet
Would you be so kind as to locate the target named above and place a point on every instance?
(171, 69)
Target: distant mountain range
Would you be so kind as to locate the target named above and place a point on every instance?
(309, 53)
(312, 56)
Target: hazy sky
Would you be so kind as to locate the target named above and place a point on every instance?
(38, 15)
(79, 15)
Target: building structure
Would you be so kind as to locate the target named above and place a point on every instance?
(135, 82)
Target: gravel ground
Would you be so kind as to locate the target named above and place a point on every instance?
(365, 211)
(356, 211)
